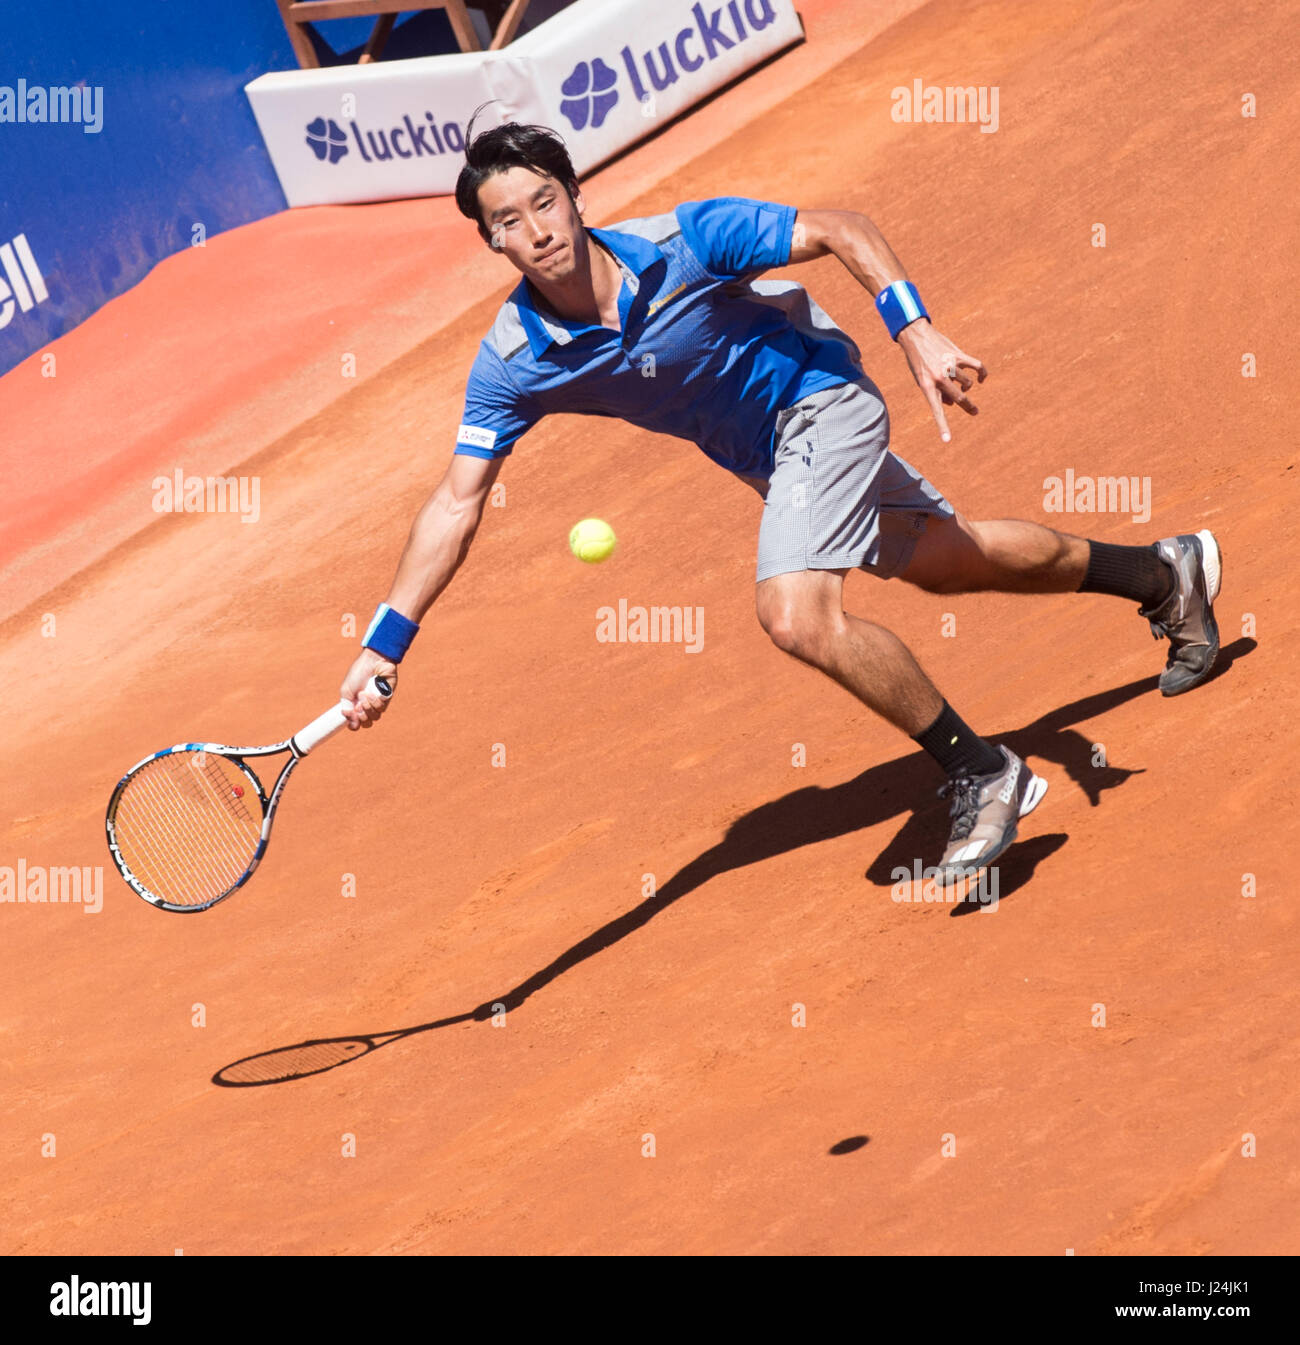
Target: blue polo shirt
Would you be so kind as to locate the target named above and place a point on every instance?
(707, 352)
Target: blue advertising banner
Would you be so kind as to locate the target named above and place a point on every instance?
(125, 135)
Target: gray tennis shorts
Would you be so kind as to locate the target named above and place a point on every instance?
(838, 499)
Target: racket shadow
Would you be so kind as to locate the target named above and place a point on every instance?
(803, 817)
(286, 1063)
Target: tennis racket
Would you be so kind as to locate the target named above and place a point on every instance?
(188, 825)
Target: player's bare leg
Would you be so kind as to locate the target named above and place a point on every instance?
(1007, 555)
(804, 615)
(1175, 580)
(990, 787)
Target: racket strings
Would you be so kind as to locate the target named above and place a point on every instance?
(185, 827)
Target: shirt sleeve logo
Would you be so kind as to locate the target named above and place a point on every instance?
(473, 436)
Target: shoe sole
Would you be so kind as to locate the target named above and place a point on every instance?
(1211, 562)
(1033, 797)
(1212, 565)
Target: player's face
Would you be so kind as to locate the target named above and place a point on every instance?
(531, 219)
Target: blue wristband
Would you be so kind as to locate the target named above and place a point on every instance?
(899, 304)
(390, 633)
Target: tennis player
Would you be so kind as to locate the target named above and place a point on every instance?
(757, 376)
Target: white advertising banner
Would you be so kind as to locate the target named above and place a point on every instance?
(369, 132)
(604, 73)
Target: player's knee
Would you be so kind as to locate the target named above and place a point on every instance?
(776, 616)
(794, 629)
(783, 630)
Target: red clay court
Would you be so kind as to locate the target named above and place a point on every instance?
(525, 885)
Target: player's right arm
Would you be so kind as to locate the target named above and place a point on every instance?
(440, 536)
(436, 547)
(497, 412)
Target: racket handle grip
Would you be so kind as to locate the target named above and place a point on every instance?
(327, 725)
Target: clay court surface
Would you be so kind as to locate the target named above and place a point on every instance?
(524, 885)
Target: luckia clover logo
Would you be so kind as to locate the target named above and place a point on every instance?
(327, 141)
(589, 94)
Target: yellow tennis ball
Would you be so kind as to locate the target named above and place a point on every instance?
(592, 540)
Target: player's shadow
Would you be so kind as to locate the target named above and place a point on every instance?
(802, 817)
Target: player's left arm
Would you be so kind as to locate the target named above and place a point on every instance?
(938, 364)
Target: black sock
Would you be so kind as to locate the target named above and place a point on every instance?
(957, 747)
(1134, 572)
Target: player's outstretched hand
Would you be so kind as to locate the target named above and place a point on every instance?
(366, 709)
(939, 368)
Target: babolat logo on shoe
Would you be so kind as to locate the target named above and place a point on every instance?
(589, 92)
(1009, 788)
(407, 140)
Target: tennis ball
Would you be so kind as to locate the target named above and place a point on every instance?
(592, 540)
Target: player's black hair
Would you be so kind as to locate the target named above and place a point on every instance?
(512, 145)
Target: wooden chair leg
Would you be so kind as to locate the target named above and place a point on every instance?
(299, 39)
(378, 36)
(509, 25)
(462, 25)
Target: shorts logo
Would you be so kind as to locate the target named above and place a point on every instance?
(474, 437)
